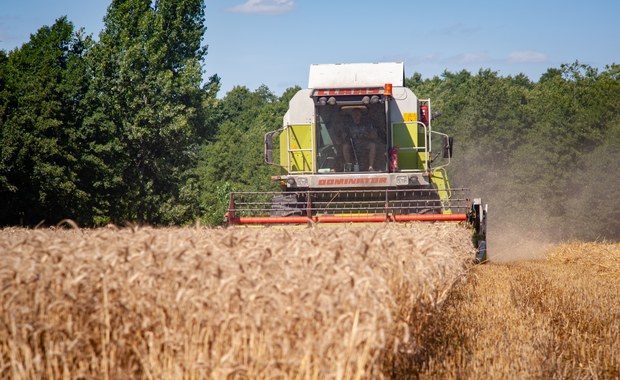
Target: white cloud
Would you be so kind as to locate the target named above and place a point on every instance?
(469, 58)
(481, 57)
(264, 6)
(526, 57)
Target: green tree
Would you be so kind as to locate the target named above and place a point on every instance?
(483, 114)
(572, 111)
(147, 99)
(43, 84)
(234, 159)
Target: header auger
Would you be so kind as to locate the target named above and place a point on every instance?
(357, 146)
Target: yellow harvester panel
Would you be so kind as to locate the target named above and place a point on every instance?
(440, 179)
(409, 137)
(296, 148)
(410, 116)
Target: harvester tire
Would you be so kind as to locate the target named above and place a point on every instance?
(481, 256)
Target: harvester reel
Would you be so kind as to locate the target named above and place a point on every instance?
(285, 205)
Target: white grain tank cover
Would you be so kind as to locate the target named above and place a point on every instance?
(356, 75)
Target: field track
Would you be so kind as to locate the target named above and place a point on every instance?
(556, 318)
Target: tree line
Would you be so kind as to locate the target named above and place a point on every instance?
(543, 154)
(126, 129)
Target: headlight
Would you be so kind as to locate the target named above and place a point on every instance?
(402, 180)
(302, 182)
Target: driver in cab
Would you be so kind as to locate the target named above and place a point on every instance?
(361, 144)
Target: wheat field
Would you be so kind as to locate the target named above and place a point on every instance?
(350, 302)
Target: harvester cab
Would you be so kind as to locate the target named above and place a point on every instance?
(358, 146)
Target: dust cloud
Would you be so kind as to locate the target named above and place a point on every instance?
(506, 244)
(518, 226)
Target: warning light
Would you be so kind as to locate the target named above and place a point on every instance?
(387, 89)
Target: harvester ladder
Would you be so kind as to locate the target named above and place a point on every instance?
(421, 150)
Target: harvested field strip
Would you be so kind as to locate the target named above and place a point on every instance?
(311, 303)
(557, 318)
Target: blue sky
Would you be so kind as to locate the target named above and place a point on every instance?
(273, 42)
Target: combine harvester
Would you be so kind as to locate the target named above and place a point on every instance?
(357, 146)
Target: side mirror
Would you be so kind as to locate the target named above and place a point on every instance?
(268, 140)
(448, 143)
(269, 148)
